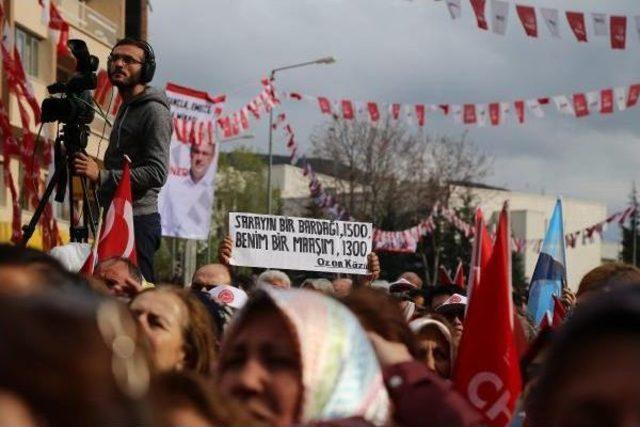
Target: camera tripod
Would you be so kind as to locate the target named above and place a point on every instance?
(72, 140)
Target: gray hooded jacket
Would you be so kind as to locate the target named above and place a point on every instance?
(142, 130)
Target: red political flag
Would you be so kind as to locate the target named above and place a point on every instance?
(444, 278)
(618, 29)
(632, 97)
(116, 237)
(25, 85)
(444, 108)
(420, 114)
(580, 105)
(469, 114)
(527, 15)
(325, 105)
(576, 22)
(478, 9)
(347, 109)
(519, 105)
(606, 101)
(395, 111)
(57, 23)
(374, 113)
(487, 370)
(481, 252)
(494, 113)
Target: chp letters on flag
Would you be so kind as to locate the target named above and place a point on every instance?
(487, 371)
(550, 274)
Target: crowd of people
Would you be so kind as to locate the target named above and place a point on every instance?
(114, 349)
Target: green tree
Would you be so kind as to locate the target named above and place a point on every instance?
(241, 186)
(629, 247)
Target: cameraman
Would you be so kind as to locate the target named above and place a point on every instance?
(141, 130)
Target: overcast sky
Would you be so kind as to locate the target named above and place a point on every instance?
(412, 52)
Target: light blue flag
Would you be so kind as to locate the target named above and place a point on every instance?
(550, 274)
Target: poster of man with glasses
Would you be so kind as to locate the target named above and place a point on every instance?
(185, 202)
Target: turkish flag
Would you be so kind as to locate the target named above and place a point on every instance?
(469, 115)
(494, 113)
(618, 28)
(519, 105)
(634, 92)
(527, 15)
(479, 8)
(374, 113)
(606, 101)
(576, 22)
(487, 371)
(324, 104)
(420, 114)
(116, 237)
(580, 105)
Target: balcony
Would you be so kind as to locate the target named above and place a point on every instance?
(85, 18)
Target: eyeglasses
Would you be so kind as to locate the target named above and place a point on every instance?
(128, 60)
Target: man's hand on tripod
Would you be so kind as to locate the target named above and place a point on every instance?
(86, 166)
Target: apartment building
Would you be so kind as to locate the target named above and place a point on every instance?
(99, 23)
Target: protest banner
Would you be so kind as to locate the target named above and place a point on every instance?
(271, 241)
(186, 200)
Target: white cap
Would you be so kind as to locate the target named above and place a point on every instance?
(229, 295)
(72, 255)
(453, 302)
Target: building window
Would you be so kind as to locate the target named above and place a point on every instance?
(28, 45)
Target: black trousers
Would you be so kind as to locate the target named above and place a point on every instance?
(147, 232)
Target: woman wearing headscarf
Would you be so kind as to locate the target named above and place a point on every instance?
(435, 344)
(298, 357)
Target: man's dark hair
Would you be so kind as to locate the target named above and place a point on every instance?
(134, 271)
(130, 41)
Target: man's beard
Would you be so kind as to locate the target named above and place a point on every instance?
(128, 83)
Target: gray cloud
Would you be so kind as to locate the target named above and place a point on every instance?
(412, 52)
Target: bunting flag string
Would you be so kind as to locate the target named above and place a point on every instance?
(406, 241)
(234, 123)
(613, 27)
(495, 113)
(20, 86)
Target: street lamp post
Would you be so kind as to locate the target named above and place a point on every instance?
(272, 76)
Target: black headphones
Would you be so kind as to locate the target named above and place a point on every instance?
(149, 64)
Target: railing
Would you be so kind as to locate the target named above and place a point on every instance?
(85, 18)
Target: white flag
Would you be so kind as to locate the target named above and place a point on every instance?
(563, 105)
(505, 109)
(621, 97)
(499, 16)
(593, 100)
(481, 115)
(550, 17)
(454, 8)
(600, 26)
(456, 113)
(535, 107)
(46, 12)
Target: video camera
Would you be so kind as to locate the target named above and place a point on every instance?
(75, 106)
